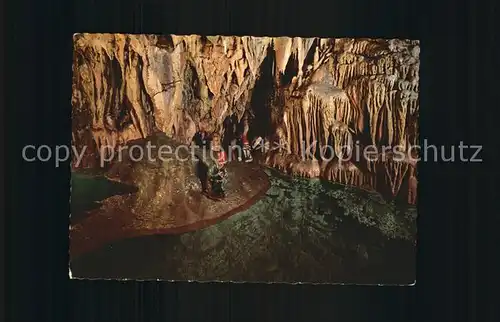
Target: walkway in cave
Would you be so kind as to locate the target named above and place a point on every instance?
(299, 231)
(166, 199)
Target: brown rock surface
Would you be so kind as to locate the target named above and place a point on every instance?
(333, 91)
(168, 200)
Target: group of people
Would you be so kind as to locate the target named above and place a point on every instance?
(234, 144)
(236, 141)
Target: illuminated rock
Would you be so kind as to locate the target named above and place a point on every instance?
(334, 92)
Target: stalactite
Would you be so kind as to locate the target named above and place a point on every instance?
(287, 131)
(255, 49)
(401, 116)
(283, 49)
(379, 75)
(304, 44)
(395, 173)
(316, 58)
(305, 104)
(317, 109)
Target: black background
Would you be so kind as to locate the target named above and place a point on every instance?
(458, 87)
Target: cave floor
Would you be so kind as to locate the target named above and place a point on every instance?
(296, 230)
(172, 208)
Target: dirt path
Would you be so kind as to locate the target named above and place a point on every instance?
(167, 202)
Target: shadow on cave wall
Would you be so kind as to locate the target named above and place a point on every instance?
(291, 70)
(261, 99)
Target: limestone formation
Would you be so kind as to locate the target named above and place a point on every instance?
(338, 92)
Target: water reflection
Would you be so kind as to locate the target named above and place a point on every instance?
(88, 190)
(301, 231)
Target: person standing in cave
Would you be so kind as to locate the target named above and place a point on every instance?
(244, 143)
(217, 172)
(202, 174)
(201, 138)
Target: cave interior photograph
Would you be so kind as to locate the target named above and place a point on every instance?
(241, 158)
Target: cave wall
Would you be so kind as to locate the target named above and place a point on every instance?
(127, 87)
(335, 91)
(347, 91)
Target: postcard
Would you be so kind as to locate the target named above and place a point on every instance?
(244, 159)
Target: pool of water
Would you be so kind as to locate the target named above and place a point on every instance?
(89, 189)
(302, 230)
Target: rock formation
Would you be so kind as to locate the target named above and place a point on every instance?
(345, 93)
(163, 198)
